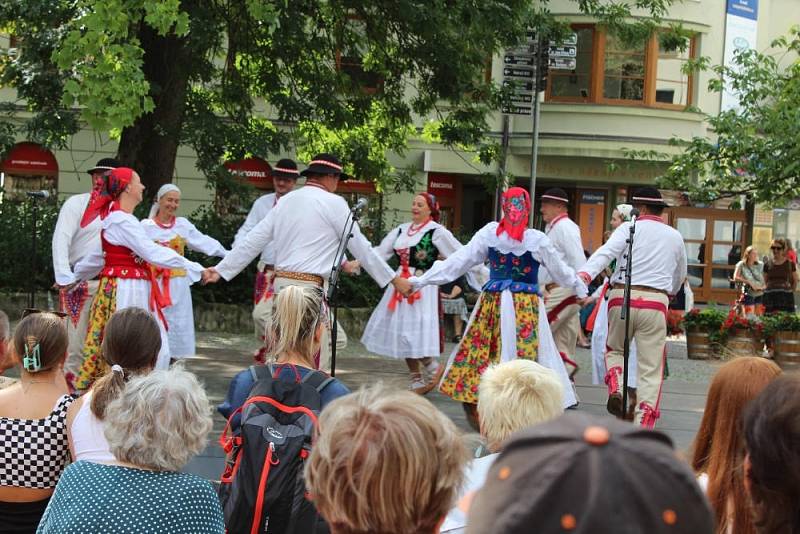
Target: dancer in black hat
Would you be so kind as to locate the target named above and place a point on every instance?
(305, 230)
(658, 272)
(71, 243)
(563, 311)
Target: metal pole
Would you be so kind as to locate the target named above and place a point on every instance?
(501, 185)
(535, 132)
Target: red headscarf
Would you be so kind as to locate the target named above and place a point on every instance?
(432, 204)
(516, 209)
(105, 194)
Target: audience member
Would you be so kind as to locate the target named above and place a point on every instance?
(385, 461)
(584, 474)
(719, 445)
(33, 437)
(6, 359)
(772, 464)
(153, 427)
(298, 323)
(130, 347)
(512, 396)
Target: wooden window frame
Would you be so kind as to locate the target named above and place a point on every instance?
(597, 75)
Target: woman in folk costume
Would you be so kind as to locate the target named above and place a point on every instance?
(599, 319)
(509, 320)
(177, 233)
(408, 327)
(122, 262)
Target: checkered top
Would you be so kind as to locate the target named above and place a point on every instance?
(34, 452)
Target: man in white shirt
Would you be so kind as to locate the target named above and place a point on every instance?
(657, 273)
(305, 229)
(563, 309)
(284, 178)
(71, 243)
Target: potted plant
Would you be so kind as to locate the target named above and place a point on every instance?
(742, 335)
(703, 334)
(782, 331)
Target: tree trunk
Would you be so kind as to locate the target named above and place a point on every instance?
(150, 145)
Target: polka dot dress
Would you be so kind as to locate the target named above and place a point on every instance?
(114, 499)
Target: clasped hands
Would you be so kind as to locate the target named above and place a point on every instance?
(403, 285)
(209, 276)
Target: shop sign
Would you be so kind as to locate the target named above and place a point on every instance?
(255, 171)
(442, 185)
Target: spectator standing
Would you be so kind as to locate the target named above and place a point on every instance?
(772, 464)
(719, 446)
(130, 348)
(781, 277)
(385, 461)
(153, 429)
(33, 436)
(749, 272)
(454, 305)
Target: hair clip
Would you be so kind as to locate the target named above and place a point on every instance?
(32, 360)
(116, 368)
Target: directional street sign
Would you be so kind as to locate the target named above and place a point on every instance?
(517, 110)
(564, 51)
(563, 63)
(518, 98)
(522, 61)
(519, 86)
(512, 72)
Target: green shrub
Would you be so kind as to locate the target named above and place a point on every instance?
(15, 246)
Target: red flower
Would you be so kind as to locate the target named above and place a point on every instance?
(459, 386)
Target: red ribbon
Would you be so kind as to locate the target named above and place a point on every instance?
(593, 316)
(158, 301)
(398, 297)
(552, 315)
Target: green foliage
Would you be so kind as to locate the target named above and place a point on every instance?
(15, 246)
(754, 149)
(708, 320)
(780, 322)
(351, 76)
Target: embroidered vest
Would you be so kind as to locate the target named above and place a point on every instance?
(122, 262)
(518, 274)
(420, 256)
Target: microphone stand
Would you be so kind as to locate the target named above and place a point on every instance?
(625, 315)
(333, 280)
(34, 220)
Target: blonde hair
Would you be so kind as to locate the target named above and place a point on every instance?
(385, 461)
(515, 395)
(297, 312)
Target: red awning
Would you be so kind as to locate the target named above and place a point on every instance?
(255, 171)
(355, 186)
(30, 159)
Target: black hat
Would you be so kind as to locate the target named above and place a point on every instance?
(555, 194)
(648, 195)
(286, 168)
(325, 164)
(105, 164)
(586, 474)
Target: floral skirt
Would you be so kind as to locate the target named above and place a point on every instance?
(103, 305)
(480, 346)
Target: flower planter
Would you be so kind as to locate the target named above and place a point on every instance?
(699, 346)
(786, 344)
(741, 343)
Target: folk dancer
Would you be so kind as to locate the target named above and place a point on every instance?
(122, 260)
(621, 214)
(408, 327)
(505, 323)
(305, 229)
(657, 273)
(284, 178)
(177, 233)
(71, 243)
(563, 311)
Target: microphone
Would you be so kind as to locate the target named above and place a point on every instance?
(360, 205)
(38, 194)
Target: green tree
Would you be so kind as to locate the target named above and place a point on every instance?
(754, 150)
(343, 74)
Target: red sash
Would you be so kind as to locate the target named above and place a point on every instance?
(552, 315)
(405, 272)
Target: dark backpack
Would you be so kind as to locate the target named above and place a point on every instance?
(262, 489)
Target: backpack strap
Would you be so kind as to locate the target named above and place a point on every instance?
(318, 380)
(259, 372)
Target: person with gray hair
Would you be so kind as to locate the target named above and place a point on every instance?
(154, 427)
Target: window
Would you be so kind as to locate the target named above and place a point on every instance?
(609, 71)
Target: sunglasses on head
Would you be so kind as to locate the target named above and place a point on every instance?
(30, 311)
